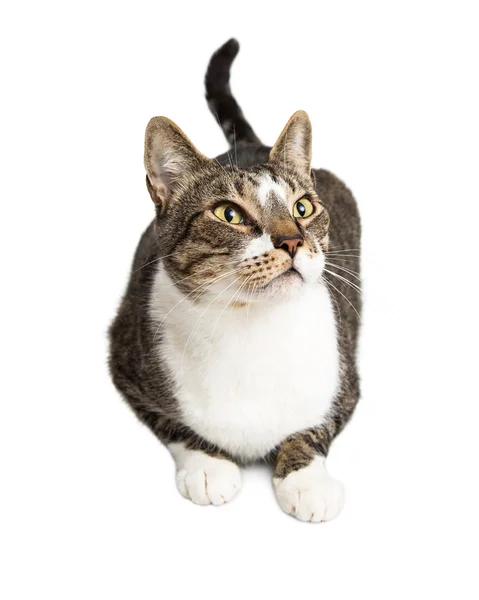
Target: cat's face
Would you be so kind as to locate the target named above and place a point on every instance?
(233, 235)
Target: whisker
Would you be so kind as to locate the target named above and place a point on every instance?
(352, 273)
(346, 281)
(229, 159)
(206, 285)
(349, 269)
(249, 302)
(338, 249)
(152, 261)
(346, 258)
(230, 301)
(236, 154)
(199, 272)
(216, 265)
(160, 258)
(351, 250)
(334, 298)
(201, 316)
(342, 256)
(347, 300)
(219, 164)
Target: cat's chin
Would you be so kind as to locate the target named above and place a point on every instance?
(283, 287)
(291, 280)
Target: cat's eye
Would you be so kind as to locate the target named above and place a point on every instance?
(229, 213)
(303, 208)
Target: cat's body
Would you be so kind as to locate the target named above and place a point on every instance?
(232, 377)
(252, 356)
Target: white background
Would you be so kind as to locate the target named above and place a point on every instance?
(89, 505)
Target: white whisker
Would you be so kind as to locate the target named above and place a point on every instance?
(201, 271)
(346, 281)
(332, 249)
(230, 301)
(236, 154)
(249, 302)
(341, 256)
(334, 298)
(201, 316)
(352, 273)
(206, 285)
(153, 261)
(347, 300)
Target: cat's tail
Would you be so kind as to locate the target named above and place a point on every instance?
(220, 100)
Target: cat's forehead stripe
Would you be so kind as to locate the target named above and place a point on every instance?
(269, 189)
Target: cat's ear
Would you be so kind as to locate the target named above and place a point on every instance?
(169, 158)
(294, 146)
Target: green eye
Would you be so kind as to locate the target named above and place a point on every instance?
(229, 213)
(303, 208)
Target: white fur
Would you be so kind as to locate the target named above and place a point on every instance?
(310, 266)
(171, 163)
(310, 494)
(205, 479)
(267, 188)
(167, 165)
(246, 379)
(258, 246)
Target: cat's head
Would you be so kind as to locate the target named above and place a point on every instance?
(235, 234)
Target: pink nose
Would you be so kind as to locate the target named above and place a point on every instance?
(289, 244)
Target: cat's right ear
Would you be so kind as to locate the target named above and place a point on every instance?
(169, 158)
(294, 145)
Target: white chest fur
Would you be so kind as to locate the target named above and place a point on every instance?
(246, 380)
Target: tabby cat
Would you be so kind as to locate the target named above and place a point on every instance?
(236, 338)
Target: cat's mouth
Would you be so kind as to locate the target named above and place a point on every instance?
(292, 272)
(274, 278)
(295, 270)
(289, 277)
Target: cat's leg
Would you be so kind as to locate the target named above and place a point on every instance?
(303, 486)
(204, 473)
(205, 477)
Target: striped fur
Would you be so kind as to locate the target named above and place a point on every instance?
(188, 254)
(220, 99)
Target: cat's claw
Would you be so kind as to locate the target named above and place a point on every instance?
(204, 479)
(310, 494)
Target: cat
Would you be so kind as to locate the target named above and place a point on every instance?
(236, 338)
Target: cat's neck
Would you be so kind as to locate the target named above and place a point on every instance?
(170, 309)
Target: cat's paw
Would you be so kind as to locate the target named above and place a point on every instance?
(310, 494)
(205, 479)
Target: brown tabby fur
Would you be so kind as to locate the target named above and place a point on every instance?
(193, 247)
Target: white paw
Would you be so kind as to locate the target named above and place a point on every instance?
(310, 494)
(205, 479)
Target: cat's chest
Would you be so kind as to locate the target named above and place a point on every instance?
(246, 381)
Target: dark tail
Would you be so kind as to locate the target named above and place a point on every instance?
(220, 100)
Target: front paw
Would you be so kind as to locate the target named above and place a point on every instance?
(205, 479)
(310, 494)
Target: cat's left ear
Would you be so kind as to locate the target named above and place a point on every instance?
(294, 146)
(169, 158)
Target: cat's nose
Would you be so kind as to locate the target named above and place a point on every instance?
(289, 244)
